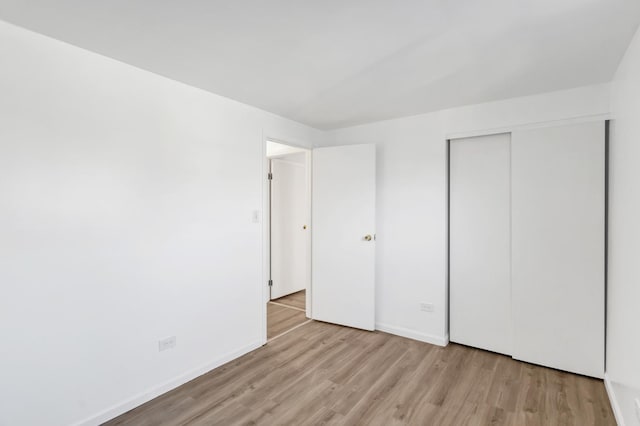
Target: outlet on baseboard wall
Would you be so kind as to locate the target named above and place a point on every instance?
(168, 343)
(426, 307)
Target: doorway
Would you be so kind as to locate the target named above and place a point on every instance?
(340, 265)
(289, 237)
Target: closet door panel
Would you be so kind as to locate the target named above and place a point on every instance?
(558, 231)
(480, 307)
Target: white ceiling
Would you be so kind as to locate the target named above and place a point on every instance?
(334, 63)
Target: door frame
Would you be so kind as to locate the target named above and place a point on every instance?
(266, 236)
(449, 136)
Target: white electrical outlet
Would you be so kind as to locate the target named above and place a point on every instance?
(168, 343)
(426, 307)
(638, 408)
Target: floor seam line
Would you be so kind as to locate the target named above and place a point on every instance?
(287, 306)
(290, 330)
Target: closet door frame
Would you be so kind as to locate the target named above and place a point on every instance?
(510, 129)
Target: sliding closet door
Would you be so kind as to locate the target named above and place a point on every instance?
(558, 231)
(479, 242)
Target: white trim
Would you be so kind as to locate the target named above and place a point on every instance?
(309, 292)
(284, 159)
(165, 387)
(289, 142)
(413, 334)
(509, 129)
(264, 237)
(615, 406)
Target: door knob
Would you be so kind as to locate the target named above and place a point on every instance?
(368, 237)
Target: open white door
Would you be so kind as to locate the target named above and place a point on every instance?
(289, 213)
(343, 240)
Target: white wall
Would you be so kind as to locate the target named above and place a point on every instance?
(275, 149)
(411, 196)
(623, 322)
(125, 217)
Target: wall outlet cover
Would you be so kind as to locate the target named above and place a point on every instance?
(168, 343)
(426, 307)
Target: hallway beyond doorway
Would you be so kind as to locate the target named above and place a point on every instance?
(285, 313)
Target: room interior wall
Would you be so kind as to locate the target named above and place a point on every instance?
(126, 217)
(113, 177)
(411, 249)
(623, 315)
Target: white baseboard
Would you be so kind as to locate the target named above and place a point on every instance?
(615, 405)
(156, 391)
(412, 334)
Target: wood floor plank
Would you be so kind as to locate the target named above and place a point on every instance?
(281, 319)
(326, 374)
(297, 300)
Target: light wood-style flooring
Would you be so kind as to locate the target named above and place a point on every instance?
(296, 300)
(281, 319)
(326, 374)
(285, 313)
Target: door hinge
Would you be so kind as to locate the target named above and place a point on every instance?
(270, 283)
(270, 176)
